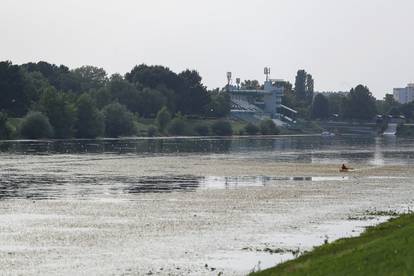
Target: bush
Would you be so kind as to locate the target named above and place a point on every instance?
(118, 121)
(60, 111)
(163, 118)
(222, 128)
(251, 129)
(152, 131)
(202, 129)
(90, 122)
(268, 127)
(5, 128)
(178, 126)
(36, 125)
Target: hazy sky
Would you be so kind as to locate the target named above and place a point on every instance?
(341, 42)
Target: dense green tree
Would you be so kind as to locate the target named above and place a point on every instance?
(91, 77)
(251, 129)
(320, 107)
(387, 105)
(222, 128)
(14, 98)
(310, 86)
(102, 97)
(170, 97)
(153, 76)
(152, 131)
(304, 86)
(250, 84)
(360, 104)
(125, 93)
(220, 104)
(193, 97)
(407, 110)
(150, 102)
(163, 118)
(35, 84)
(190, 96)
(60, 111)
(202, 129)
(59, 77)
(35, 126)
(118, 121)
(336, 102)
(90, 121)
(178, 126)
(5, 128)
(300, 85)
(268, 127)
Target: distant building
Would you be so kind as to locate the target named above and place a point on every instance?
(404, 95)
(264, 101)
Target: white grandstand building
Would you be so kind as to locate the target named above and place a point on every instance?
(261, 103)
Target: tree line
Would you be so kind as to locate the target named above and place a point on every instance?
(357, 104)
(58, 102)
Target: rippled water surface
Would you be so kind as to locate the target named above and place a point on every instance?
(195, 206)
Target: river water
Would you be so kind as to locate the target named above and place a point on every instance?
(190, 206)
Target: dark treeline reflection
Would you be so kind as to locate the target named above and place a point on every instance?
(117, 146)
(182, 145)
(365, 149)
(32, 186)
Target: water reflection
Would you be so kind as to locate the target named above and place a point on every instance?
(308, 149)
(22, 175)
(118, 146)
(40, 187)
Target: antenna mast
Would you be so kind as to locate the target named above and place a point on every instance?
(267, 73)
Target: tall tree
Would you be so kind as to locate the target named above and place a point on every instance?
(118, 121)
(91, 77)
(153, 76)
(163, 118)
(360, 104)
(320, 107)
(90, 122)
(300, 85)
(310, 83)
(220, 104)
(14, 98)
(5, 129)
(35, 126)
(193, 96)
(150, 101)
(60, 111)
(58, 76)
(250, 84)
(304, 86)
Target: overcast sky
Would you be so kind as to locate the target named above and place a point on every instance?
(341, 42)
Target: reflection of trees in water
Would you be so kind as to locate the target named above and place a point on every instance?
(164, 184)
(28, 186)
(5, 146)
(49, 186)
(118, 146)
(181, 145)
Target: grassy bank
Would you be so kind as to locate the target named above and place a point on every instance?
(387, 249)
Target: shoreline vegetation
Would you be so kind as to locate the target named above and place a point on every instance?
(385, 249)
(43, 100)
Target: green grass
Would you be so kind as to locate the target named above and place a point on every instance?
(387, 249)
